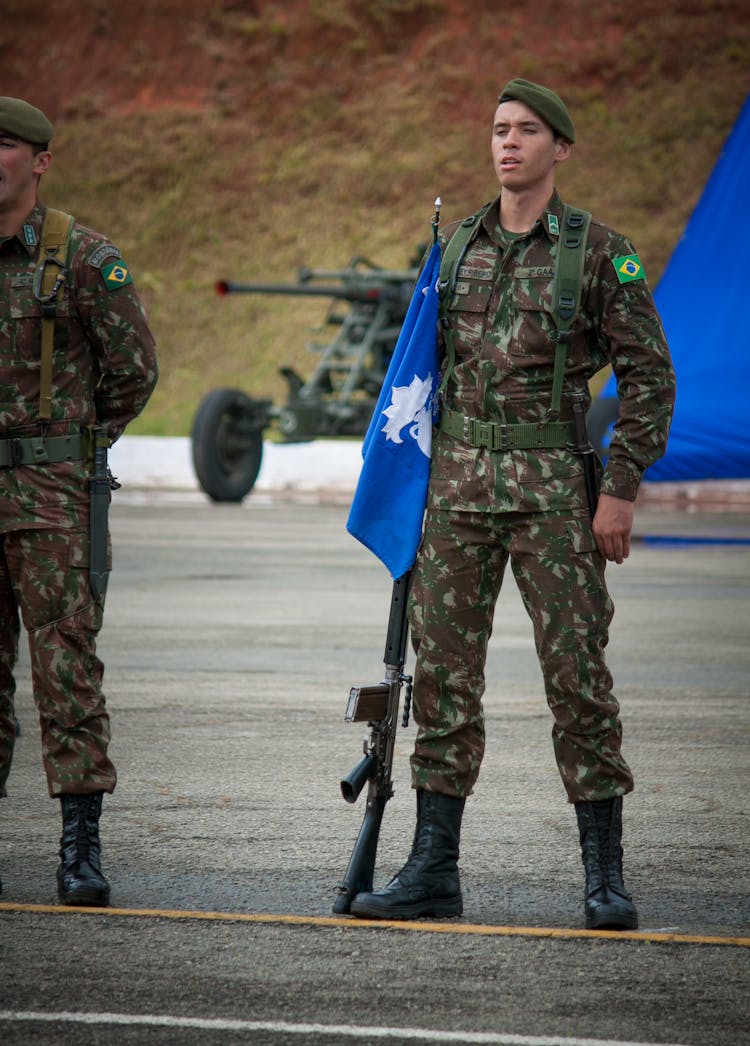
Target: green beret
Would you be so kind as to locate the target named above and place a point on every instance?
(21, 120)
(544, 102)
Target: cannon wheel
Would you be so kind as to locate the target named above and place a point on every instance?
(227, 443)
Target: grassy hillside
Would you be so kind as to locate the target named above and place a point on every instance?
(243, 140)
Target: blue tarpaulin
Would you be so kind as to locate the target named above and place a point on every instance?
(703, 299)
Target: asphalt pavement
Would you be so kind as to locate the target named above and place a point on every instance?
(232, 636)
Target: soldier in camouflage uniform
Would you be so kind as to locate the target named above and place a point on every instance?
(489, 506)
(103, 371)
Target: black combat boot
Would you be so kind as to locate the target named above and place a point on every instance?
(79, 877)
(609, 906)
(428, 884)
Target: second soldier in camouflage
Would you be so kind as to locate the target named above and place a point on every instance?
(101, 371)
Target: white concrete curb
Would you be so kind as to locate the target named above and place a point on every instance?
(165, 463)
(330, 467)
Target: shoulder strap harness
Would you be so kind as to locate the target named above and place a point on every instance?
(566, 291)
(450, 263)
(50, 276)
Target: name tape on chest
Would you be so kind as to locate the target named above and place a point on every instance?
(469, 272)
(535, 272)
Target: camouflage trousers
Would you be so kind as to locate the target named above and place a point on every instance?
(44, 577)
(456, 582)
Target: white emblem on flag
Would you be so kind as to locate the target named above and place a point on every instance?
(411, 405)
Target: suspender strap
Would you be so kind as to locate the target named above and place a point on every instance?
(566, 290)
(50, 276)
(450, 263)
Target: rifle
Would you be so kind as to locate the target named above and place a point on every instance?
(377, 705)
(587, 452)
(101, 484)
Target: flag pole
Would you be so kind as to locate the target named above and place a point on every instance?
(378, 706)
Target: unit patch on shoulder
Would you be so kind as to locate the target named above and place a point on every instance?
(100, 255)
(116, 274)
(629, 268)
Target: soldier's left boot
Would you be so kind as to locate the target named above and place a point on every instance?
(608, 905)
(79, 877)
(429, 883)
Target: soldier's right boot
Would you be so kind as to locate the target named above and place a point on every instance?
(608, 905)
(79, 876)
(428, 884)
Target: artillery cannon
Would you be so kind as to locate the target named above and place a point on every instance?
(368, 306)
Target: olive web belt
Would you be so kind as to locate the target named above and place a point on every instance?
(496, 435)
(40, 450)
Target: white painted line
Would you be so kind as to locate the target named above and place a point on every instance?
(351, 1031)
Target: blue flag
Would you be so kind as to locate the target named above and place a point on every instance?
(388, 507)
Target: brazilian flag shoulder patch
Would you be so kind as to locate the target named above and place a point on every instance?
(116, 274)
(629, 268)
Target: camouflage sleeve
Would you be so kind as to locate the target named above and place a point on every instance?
(118, 331)
(632, 337)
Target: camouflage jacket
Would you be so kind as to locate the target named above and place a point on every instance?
(504, 336)
(104, 367)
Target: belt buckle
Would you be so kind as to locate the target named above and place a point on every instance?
(483, 433)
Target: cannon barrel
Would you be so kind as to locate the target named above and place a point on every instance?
(357, 292)
(372, 274)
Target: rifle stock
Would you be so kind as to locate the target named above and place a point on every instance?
(100, 487)
(586, 451)
(379, 705)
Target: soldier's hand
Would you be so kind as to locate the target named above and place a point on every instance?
(612, 525)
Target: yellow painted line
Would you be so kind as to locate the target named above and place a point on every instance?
(418, 926)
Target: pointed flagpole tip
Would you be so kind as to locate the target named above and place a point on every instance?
(436, 219)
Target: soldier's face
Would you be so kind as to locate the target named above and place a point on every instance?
(20, 169)
(524, 149)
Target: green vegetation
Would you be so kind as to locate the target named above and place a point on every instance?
(328, 130)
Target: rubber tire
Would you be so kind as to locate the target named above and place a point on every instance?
(227, 446)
